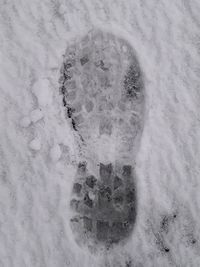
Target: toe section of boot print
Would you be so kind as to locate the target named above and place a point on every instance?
(102, 85)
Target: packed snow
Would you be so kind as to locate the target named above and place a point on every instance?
(38, 150)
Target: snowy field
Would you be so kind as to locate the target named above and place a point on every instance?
(37, 155)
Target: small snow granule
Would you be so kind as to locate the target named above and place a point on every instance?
(42, 91)
(35, 144)
(55, 153)
(25, 121)
(36, 115)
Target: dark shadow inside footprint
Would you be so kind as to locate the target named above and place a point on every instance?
(84, 60)
(105, 173)
(117, 182)
(91, 181)
(87, 201)
(132, 82)
(117, 232)
(87, 223)
(74, 203)
(130, 195)
(82, 167)
(118, 199)
(104, 197)
(77, 188)
(127, 171)
(131, 214)
(102, 230)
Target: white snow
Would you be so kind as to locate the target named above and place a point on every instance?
(35, 187)
(55, 153)
(36, 115)
(25, 121)
(35, 144)
(42, 91)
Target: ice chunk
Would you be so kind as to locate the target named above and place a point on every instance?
(55, 153)
(36, 115)
(35, 144)
(25, 121)
(42, 91)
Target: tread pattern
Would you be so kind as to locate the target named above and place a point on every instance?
(103, 93)
(105, 208)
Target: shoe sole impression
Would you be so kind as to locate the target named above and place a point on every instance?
(103, 92)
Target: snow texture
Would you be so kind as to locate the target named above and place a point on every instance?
(37, 148)
(36, 115)
(35, 144)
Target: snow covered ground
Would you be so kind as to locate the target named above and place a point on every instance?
(37, 147)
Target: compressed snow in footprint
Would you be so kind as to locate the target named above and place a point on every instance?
(35, 144)
(42, 91)
(36, 115)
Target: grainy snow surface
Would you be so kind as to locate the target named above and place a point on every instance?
(37, 152)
